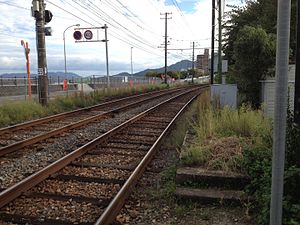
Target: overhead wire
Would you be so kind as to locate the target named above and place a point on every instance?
(130, 35)
(114, 34)
(129, 32)
(142, 26)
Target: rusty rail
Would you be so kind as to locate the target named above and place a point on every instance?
(16, 190)
(66, 114)
(117, 203)
(21, 144)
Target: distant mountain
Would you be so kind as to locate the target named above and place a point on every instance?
(182, 65)
(53, 75)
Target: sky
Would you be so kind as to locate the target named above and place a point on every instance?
(135, 25)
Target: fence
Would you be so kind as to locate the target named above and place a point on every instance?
(99, 82)
(18, 87)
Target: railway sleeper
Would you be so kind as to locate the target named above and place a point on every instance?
(127, 152)
(100, 180)
(130, 167)
(133, 141)
(128, 149)
(100, 202)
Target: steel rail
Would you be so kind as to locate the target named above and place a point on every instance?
(66, 114)
(21, 144)
(17, 189)
(118, 201)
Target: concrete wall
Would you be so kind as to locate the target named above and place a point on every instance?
(225, 93)
(268, 92)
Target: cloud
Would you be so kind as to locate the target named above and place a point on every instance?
(133, 23)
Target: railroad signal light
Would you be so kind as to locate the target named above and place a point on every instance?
(77, 35)
(48, 16)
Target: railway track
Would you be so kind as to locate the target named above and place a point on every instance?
(25, 161)
(90, 184)
(19, 136)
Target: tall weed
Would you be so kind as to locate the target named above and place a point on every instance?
(15, 112)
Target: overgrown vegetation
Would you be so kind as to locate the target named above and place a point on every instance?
(221, 134)
(258, 163)
(15, 112)
(241, 140)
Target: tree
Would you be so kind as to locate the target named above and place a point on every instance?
(152, 74)
(257, 13)
(254, 53)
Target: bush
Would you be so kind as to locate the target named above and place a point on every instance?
(15, 112)
(258, 165)
(222, 133)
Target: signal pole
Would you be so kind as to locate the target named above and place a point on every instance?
(39, 14)
(166, 43)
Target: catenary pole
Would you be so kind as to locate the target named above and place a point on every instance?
(297, 75)
(212, 42)
(220, 40)
(166, 45)
(41, 53)
(280, 114)
(193, 62)
(106, 48)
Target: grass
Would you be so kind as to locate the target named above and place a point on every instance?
(13, 112)
(222, 134)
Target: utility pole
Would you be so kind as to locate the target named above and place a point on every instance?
(297, 75)
(166, 43)
(280, 114)
(39, 14)
(106, 49)
(193, 62)
(212, 42)
(220, 42)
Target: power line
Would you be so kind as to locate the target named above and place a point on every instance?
(115, 35)
(17, 6)
(182, 16)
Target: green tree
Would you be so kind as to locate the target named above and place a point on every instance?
(174, 74)
(152, 74)
(258, 13)
(254, 53)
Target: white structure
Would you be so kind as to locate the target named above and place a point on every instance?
(225, 93)
(268, 92)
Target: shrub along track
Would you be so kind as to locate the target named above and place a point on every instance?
(94, 180)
